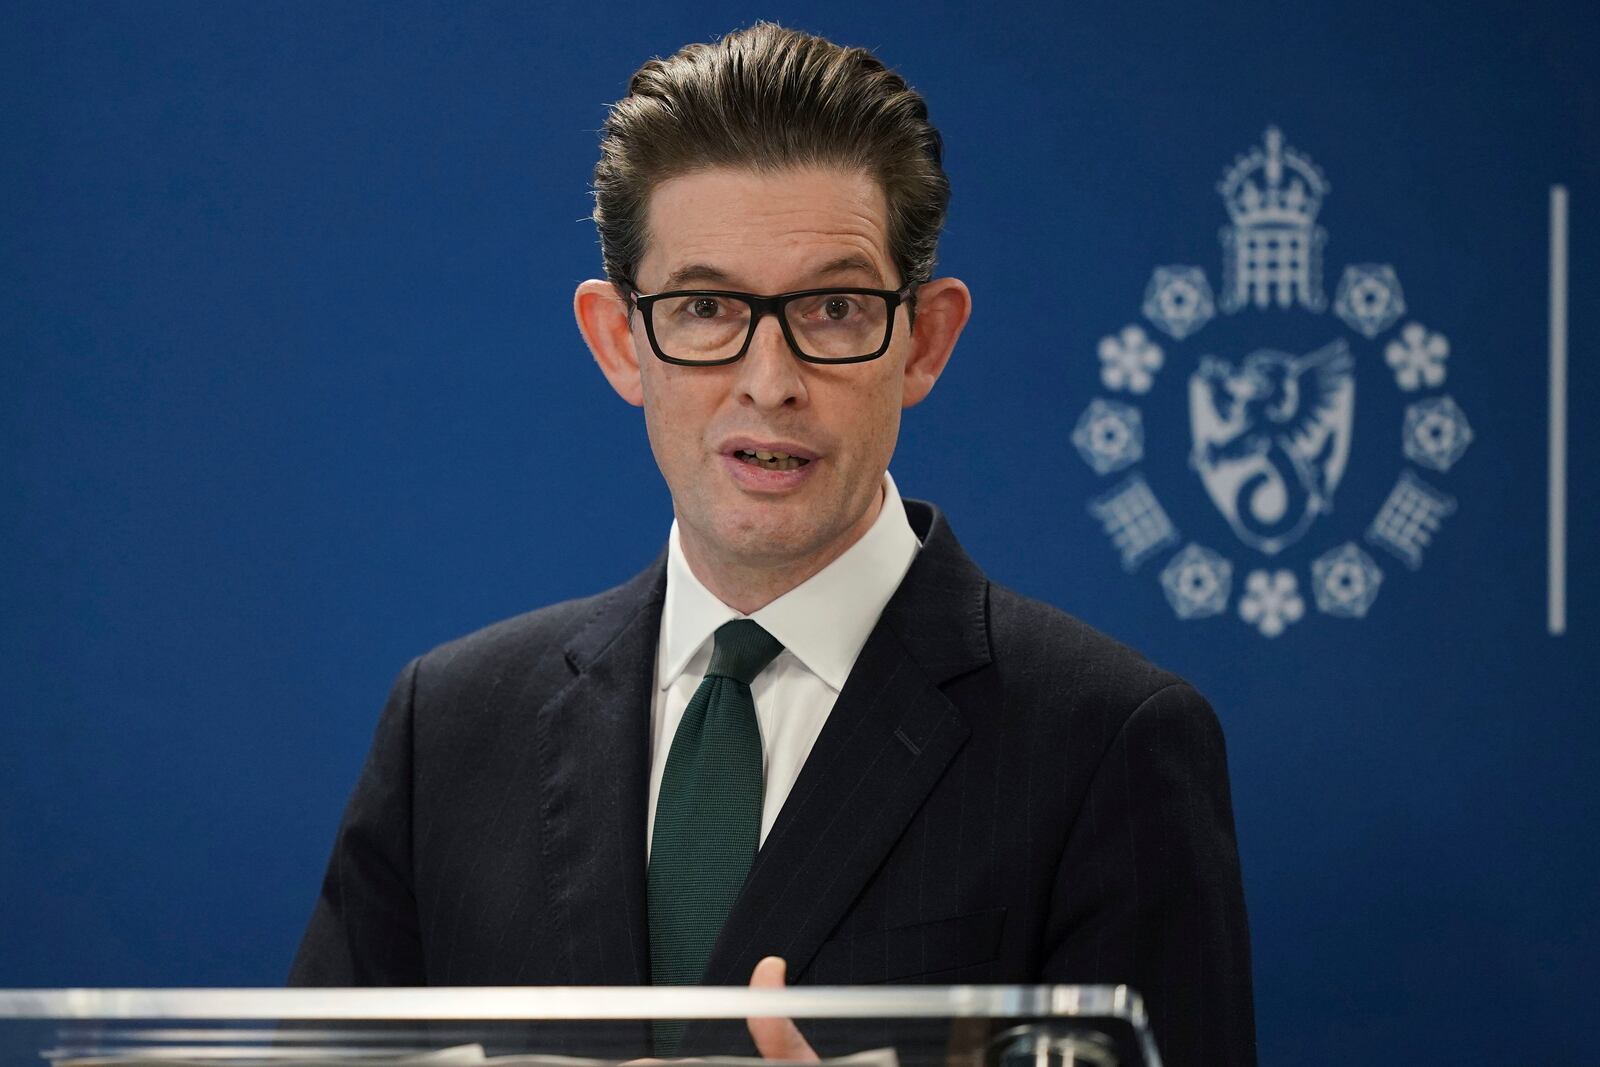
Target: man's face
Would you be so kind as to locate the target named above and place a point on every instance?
(771, 233)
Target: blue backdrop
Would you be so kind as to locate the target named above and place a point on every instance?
(290, 385)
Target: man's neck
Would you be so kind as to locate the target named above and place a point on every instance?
(747, 587)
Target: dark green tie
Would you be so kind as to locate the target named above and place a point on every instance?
(708, 812)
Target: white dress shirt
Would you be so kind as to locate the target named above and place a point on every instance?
(823, 624)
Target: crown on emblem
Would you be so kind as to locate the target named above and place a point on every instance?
(1273, 251)
(1289, 191)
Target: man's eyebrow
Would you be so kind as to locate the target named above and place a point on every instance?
(848, 265)
(705, 274)
(694, 272)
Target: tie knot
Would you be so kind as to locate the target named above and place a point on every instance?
(741, 649)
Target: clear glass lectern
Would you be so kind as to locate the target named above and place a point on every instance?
(873, 1026)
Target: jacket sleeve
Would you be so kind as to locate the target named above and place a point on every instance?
(364, 930)
(1148, 892)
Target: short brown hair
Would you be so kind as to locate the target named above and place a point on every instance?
(764, 98)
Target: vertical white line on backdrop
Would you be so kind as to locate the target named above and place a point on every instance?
(1557, 592)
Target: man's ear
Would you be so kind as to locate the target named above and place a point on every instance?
(603, 320)
(943, 307)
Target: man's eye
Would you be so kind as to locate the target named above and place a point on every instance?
(704, 307)
(837, 308)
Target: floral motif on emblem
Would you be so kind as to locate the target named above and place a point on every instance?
(1418, 357)
(1129, 360)
(1436, 433)
(1345, 581)
(1197, 582)
(1369, 299)
(1178, 300)
(1109, 436)
(1271, 601)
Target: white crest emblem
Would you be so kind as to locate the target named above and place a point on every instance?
(1272, 439)
(1270, 431)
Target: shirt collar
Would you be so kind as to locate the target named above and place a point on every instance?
(824, 621)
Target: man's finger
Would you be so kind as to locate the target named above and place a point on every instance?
(776, 1038)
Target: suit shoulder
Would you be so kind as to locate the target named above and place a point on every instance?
(531, 629)
(532, 641)
(1041, 647)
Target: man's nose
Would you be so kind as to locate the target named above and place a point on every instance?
(770, 374)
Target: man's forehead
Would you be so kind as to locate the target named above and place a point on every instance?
(727, 226)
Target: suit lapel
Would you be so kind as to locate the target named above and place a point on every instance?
(886, 743)
(594, 743)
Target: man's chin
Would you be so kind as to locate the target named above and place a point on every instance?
(772, 549)
(767, 535)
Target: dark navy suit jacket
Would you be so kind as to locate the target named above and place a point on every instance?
(1001, 794)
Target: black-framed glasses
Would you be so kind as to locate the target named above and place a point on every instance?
(713, 327)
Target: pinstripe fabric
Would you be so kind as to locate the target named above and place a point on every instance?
(1000, 794)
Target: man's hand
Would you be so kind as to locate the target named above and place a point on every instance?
(777, 1039)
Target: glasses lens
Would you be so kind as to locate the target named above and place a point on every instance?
(838, 325)
(700, 326)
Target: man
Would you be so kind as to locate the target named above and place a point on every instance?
(814, 730)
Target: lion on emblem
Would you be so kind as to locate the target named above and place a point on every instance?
(1272, 438)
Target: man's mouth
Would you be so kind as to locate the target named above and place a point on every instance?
(772, 461)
